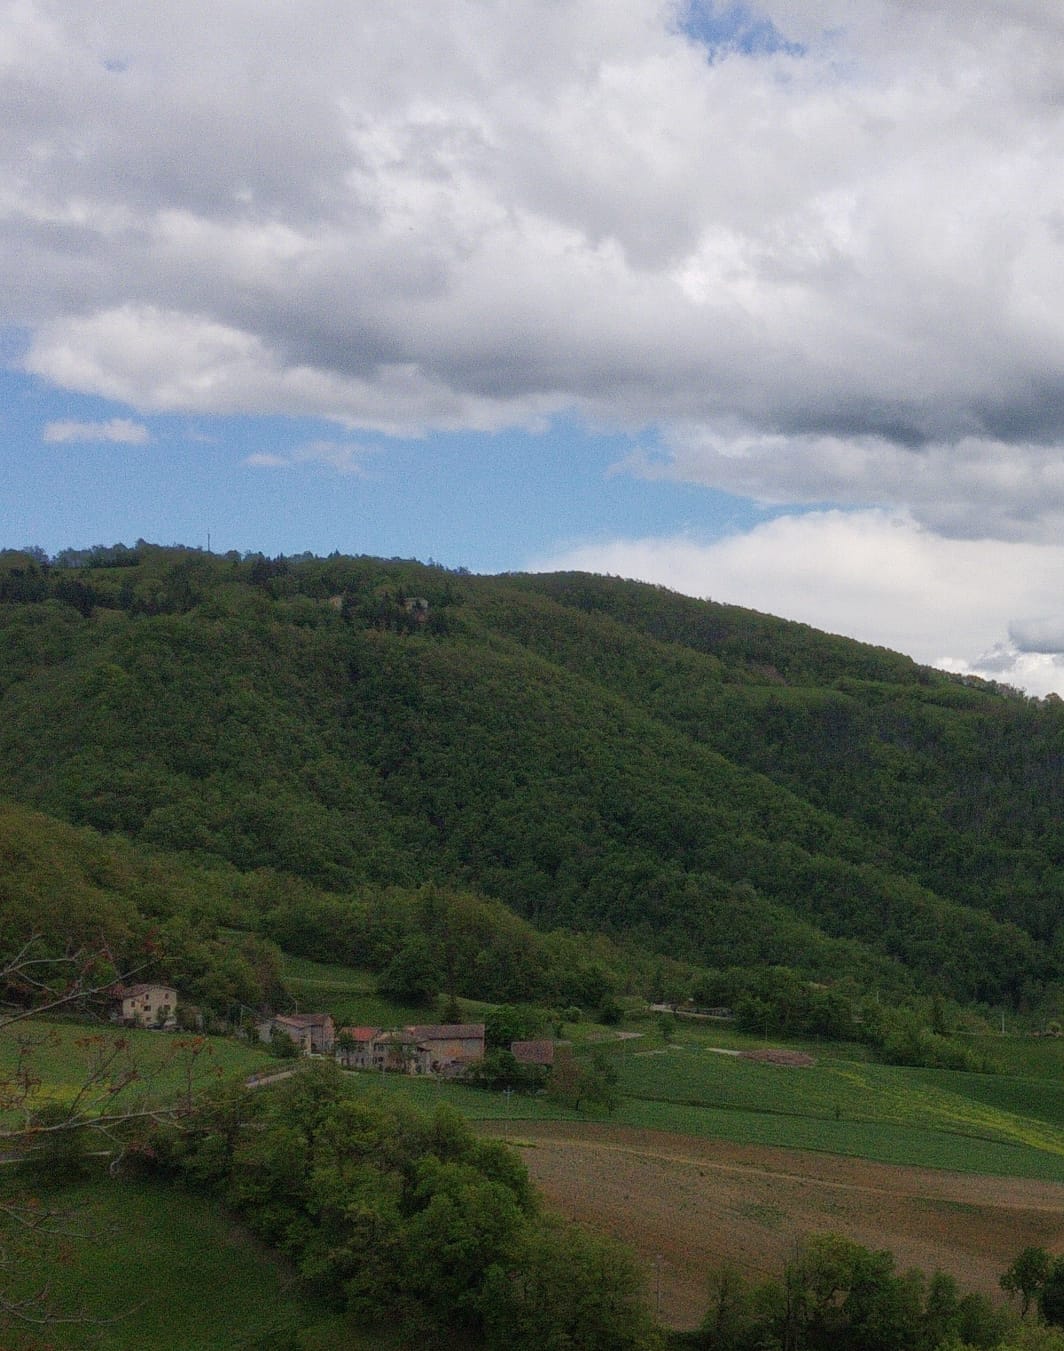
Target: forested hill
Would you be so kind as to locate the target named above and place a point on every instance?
(721, 786)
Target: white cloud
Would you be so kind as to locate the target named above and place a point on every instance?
(848, 257)
(122, 430)
(267, 460)
(167, 361)
(345, 457)
(960, 605)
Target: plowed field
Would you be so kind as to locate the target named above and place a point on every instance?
(686, 1204)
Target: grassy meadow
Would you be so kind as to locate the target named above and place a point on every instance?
(151, 1266)
(61, 1055)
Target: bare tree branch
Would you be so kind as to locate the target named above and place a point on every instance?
(116, 1095)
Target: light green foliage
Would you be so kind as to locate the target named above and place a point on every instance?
(1033, 1337)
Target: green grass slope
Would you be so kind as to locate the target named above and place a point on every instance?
(147, 1265)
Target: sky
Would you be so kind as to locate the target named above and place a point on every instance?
(762, 303)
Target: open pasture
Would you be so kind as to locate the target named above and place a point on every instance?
(152, 1266)
(63, 1055)
(999, 1124)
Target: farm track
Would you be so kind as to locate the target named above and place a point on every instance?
(687, 1204)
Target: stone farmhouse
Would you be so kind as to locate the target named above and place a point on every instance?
(422, 1048)
(447, 1048)
(354, 1047)
(145, 1005)
(313, 1033)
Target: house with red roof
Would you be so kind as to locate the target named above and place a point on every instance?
(354, 1047)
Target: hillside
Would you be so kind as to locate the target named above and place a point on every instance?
(687, 777)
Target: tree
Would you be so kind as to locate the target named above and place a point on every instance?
(512, 1022)
(1051, 1295)
(413, 976)
(1026, 1276)
(839, 1296)
(582, 1084)
(730, 1322)
(562, 1287)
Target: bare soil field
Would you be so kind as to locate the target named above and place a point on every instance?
(687, 1204)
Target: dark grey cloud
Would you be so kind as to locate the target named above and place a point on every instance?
(1045, 636)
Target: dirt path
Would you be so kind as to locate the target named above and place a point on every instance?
(687, 1204)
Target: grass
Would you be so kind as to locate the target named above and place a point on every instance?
(62, 1054)
(1010, 1124)
(188, 1278)
(972, 1122)
(1004, 1125)
(1021, 1055)
(350, 995)
(156, 1267)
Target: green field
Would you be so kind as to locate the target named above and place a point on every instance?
(160, 1267)
(1008, 1124)
(1004, 1125)
(151, 1266)
(350, 995)
(62, 1055)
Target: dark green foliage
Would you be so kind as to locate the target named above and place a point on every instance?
(501, 1069)
(1027, 1276)
(146, 916)
(704, 783)
(413, 976)
(1051, 1293)
(405, 1220)
(835, 1295)
(565, 1288)
(511, 1022)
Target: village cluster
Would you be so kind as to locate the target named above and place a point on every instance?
(444, 1049)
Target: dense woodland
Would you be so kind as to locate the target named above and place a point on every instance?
(571, 785)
